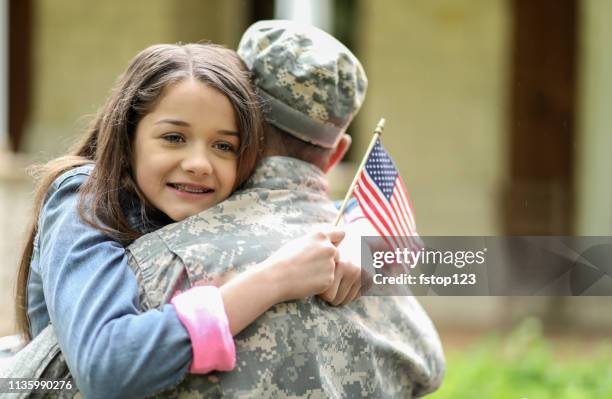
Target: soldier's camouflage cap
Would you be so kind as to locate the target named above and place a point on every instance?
(312, 85)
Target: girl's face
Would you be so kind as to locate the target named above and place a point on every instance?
(186, 150)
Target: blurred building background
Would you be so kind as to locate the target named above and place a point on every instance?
(496, 112)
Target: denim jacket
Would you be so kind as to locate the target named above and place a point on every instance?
(81, 282)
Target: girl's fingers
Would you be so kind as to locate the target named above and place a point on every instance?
(334, 234)
(333, 290)
(329, 295)
(337, 258)
(343, 291)
(353, 282)
(353, 294)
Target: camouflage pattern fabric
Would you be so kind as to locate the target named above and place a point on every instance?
(375, 347)
(311, 83)
(41, 358)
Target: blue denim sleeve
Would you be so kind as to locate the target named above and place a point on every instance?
(112, 349)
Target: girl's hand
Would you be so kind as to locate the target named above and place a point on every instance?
(305, 266)
(301, 268)
(347, 275)
(346, 286)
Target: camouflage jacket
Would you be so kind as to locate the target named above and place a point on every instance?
(375, 347)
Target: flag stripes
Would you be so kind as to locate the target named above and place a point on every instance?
(383, 198)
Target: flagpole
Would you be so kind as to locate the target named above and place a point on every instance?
(377, 133)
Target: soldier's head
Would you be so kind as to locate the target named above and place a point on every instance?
(311, 85)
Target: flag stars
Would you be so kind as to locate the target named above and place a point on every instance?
(382, 197)
(381, 170)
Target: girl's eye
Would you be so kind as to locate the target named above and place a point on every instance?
(225, 147)
(173, 138)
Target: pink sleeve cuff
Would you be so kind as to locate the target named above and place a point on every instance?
(201, 311)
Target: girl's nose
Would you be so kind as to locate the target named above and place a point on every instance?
(197, 163)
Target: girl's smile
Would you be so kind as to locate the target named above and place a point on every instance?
(186, 150)
(191, 191)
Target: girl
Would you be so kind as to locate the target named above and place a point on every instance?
(180, 131)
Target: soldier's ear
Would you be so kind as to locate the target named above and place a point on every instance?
(338, 152)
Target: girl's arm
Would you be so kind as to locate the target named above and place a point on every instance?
(91, 294)
(302, 268)
(113, 349)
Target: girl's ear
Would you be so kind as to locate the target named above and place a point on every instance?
(338, 152)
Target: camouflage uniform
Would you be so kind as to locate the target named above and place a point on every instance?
(311, 83)
(375, 347)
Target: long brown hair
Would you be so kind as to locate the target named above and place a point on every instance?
(107, 142)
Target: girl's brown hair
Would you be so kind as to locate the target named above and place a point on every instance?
(107, 143)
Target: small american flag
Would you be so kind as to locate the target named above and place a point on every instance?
(384, 201)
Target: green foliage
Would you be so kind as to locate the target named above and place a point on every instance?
(522, 365)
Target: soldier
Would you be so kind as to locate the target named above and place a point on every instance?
(312, 86)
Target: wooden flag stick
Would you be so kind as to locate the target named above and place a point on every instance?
(377, 133)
